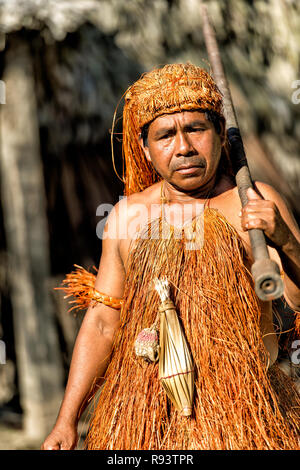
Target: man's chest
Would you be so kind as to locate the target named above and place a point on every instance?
(228, 206)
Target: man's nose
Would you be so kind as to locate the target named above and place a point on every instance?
(183, 145)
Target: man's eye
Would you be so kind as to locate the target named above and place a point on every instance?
(197, 129)
(166, 136)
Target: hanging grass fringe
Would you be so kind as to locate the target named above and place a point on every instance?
(79, 285)
(297, 324)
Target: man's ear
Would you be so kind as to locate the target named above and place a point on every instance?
(145, 148)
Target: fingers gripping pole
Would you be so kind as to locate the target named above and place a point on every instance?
(265, 272)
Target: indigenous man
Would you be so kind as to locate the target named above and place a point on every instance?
(176, 156)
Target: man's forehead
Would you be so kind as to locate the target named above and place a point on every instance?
(166, 120)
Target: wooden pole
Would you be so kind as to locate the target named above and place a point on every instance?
(265, 272)
(24, 209)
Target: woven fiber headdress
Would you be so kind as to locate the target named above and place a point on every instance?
(170, 89)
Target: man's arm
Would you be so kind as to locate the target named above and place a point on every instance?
(92, 349)
(267, 210)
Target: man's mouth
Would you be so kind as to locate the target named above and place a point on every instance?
(188, 169)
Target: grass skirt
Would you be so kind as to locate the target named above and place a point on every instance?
(238, 402)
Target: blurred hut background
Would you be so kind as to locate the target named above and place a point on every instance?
(64, 66)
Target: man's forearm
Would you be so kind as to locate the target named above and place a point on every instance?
(290, 259)
(90, 359)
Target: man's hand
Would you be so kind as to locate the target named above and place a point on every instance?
(62, 437)
(262, 214)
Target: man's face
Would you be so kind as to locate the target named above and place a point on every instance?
(184, 148)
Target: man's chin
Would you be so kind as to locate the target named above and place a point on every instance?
(188, 183)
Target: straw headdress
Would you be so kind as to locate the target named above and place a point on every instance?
(170, 89)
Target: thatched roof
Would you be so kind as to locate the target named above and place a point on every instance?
(58, 16)
(260, 44)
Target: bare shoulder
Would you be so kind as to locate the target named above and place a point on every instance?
(121, 224)
(271, 194)
(128, 217)
(134, 207)
(267, 191)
